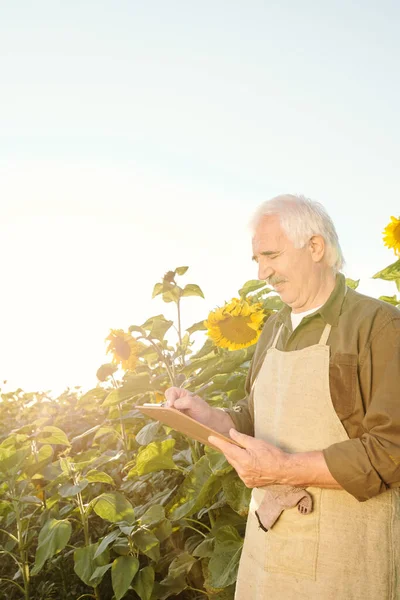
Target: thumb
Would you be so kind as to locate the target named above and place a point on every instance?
(241, 438)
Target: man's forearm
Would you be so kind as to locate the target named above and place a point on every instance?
(304, 469)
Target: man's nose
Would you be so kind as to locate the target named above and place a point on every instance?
(264, 272)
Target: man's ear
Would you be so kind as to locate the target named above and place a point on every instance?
(317, 247)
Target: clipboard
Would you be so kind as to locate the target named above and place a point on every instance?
(181, 422)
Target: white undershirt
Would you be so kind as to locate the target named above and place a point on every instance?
(297, 317)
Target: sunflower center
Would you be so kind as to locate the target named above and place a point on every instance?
(122, 348)
(236, 329)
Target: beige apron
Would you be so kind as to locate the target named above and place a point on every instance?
(344, 549)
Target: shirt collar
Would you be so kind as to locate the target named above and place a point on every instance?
(332, 308)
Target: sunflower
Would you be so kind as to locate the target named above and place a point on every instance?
(391, 235)
(124, 349)
(236, 325)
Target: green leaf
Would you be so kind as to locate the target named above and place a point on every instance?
(272, 303)
(352, 283)
(112, 398)
(163, 530)
(30, 499)
(92, 397)
(217, 461)
(100, 571)
(199, 326)
(114, 507)
(53, 538)
(154, 457)
(197, 490)
(390, 299)
(236, 493)
(171, 292)
(138, 330)
(144, 582)
(85, 564)
(390, 273)
(123, 570)
(158, 288)
(147, 543)
(224, 563)
(191, 289)
(94, 476)
(52, 435)
(251, 286)
(35, 464)
(157, 327)
(205, 549)
(69, 489)
(181, 270)
(134, 385)
(176, 582)
(147, 434)
(153, 515)
(106, 541)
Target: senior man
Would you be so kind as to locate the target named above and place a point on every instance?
(323, 405)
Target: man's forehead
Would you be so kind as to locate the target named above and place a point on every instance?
(269, 232)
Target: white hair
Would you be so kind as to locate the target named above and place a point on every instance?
(301, 218)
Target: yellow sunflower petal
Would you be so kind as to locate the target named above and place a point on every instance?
(391, 235)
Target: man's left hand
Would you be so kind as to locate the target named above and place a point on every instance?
(257, 464)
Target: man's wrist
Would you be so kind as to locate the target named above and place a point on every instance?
(304, 469)
(221, 420)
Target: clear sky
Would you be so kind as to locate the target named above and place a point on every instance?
(136, 137)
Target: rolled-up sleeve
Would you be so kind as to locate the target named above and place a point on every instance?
(366, 466)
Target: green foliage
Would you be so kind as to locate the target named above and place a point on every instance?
(53, 538)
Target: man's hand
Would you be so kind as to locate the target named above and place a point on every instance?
(194, 406)
(198, 409)
(258, 464)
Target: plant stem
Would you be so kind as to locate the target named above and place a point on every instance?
(121, 422)
(22, 553)
(84, 519)
(161, 356)
(211, 517)
(198, 522)
(123, 430)
(197, 530)
(203, 592)
(178, 305)
(97, 593)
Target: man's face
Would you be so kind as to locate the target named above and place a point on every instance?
(290, 270)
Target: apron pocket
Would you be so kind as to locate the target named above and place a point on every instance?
(292, 543)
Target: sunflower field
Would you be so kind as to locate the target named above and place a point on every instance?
(97, 501)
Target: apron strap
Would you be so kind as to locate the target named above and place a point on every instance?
(277, 337)
(325, 335)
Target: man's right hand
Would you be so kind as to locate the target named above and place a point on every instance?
(198, 409)
(194, 406)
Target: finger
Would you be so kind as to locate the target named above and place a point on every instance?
(170, 395)
(231, 451)
(247, 441)
(173, 394)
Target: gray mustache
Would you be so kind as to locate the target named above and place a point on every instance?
(275, 280)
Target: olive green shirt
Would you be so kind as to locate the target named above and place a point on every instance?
(364, 379)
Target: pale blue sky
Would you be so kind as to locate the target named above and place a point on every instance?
(139, 136)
